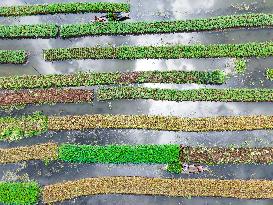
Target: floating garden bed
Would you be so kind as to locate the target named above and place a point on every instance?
(57, 8)
(144, 27)
(264, 49)
(13, 57)
(43, 96)
(220, 155)
(29, 31)
(48, 151)
(29, 192)
(19, 193)
(171, 154)
(111, 78)
(243, 189)
(203, 94)
(13, 128)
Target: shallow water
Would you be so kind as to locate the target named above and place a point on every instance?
(146, 10)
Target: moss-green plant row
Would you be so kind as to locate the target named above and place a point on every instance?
(203, 94)
(19, 193)
(253, 49)
(15, 128)
(29, 31)
(109, 78)
(13, 56)
(70, 7)
(158, 154)
(142, 27)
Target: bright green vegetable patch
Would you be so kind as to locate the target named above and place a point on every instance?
(143, 27)
(15, 128)
(157, 154)
(29, 31)
(264, 49)
(19, 193)
(13, 56)
(204, 94)
(269, 73)
(110, 78)
(240, 65)
(70, 7)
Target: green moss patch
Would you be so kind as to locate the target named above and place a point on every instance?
(16, 193)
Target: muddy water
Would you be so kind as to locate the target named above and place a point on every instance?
(145, 10)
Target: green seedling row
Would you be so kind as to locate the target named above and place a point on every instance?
(203, 94)
(264, 49)
(70, 7)
(13, 57)
(19, 193)
(156, 154)
(144, 27)
(110, 78)
(29, 31)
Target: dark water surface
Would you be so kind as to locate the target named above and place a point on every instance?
(146, 10)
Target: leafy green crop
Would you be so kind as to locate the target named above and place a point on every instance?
(158, 154)
(240, 65)
(269, 73)
(70, 7)
(19, 193)
(29, 31)
(13, 56)
(110, 78)
(264, 49)
(203, 94)
(142, 27)
(15, 128)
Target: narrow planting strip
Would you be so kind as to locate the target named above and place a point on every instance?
(171, 154)
(29, 31)
(13, 128)
(243, 189)
(264, 49)
(151, 154)
(42, 96)
(23, 193)
(58, 8)
(169, 123)
(220, 155)
(48, 151)
(29, 192)
(143, 27)
(203, 94)
(13, 57)
(110, 78)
